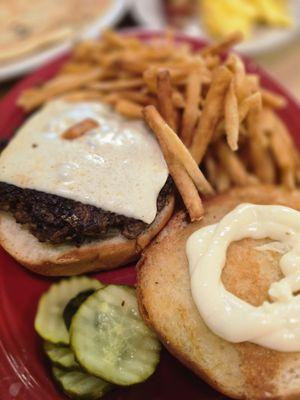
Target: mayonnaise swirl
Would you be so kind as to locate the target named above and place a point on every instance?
(276, 323)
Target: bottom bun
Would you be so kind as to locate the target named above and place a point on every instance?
(244, 370)
(62, 260)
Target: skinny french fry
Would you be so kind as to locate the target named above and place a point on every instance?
(80, 129)
(191, 111)
(164, 96)
(272, 99)
(232, 117)
(75, 68)
(224, 45)
(166, 135)
(261, 159)
(188, 192)
(84, 51)
(283, 150)
(212, 113)
(178, 99)
(178, 75)
(249, 86)
(250, 103)
(118, 84)
(236, 65)
(216, 175)
(132, 65)
(234, 166)
(115, 40)
(33, 98)
(182, 180)
(82, 95)
(212, 61)
(138, 97)
(129, 109)
(283, 159)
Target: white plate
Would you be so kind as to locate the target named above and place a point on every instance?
(150, 14)
(31, 62)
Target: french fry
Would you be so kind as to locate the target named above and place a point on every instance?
(164, 96)
(232, 117)
(249, 85)
(166, 135)
(84, 51)
(212, 61)
(111, 98)
(33, 98)
(272, 99)
(212, 113)
(191, 110)
(133, 65)
(129, 109)
(117, 84)
(82, 95)
(236, 65)
(75, 68)
(182, 180)
(250, 103)
(178, 76)
(216, 174)
(137, 96)
(178, 99)
(79, 129)
(224, 45)
(283, 160)
(283, 150)
(115, 40)
(234, 166)
(261, 159)
(188, 192)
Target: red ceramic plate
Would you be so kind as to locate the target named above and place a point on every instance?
(24, 373)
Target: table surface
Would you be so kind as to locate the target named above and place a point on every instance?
(283, 63)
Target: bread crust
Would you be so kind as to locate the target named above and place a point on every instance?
(65, 260)
(241, 371)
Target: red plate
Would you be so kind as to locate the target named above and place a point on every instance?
(24, 373)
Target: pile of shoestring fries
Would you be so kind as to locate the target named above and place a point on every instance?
(204, 109)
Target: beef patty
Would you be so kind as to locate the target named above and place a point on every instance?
(56, 220)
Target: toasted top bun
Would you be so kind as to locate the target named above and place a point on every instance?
(242, 371)
(58, 260)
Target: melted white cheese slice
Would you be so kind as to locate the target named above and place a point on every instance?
(117, 166)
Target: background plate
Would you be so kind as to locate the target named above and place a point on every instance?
(24, 373)
(150, 14)
(24, 65)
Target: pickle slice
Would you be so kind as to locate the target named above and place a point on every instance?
(49, 322)
(110, 340)
(79, 385)
(61, 356)
(73, 305)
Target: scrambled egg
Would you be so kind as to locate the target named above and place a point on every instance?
(221, 17)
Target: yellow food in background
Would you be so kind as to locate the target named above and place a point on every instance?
(221, 17)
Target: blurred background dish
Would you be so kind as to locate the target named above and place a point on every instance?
(266, 24)
(276, 48)
(33, 32)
